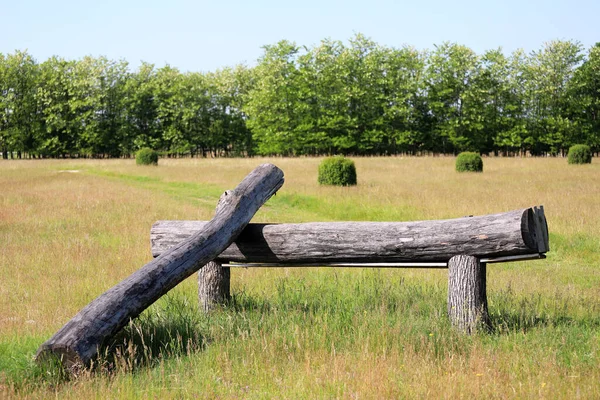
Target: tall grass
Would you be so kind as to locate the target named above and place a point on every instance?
(67, 236)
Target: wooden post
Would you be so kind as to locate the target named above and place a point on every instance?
(213, 285)
(467, 298)
(76, 343)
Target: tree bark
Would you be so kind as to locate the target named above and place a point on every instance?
(467, 298)
(213, 285)
(520, 232)
(76, 343)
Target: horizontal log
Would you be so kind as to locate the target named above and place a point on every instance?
(514, 233)
(77, 342)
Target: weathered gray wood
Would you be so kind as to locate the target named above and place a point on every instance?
(541, 228)
(518, 232)
(77, 342)
(213, 285)
(467, 298)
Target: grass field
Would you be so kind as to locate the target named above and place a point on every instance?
(69, 230)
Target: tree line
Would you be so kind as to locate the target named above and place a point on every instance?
(332, 98)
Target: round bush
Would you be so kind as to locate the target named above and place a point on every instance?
(338, 171)
(580, 154)
(469, 162)
(146, 156)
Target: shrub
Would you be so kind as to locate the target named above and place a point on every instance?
(338, 171)
(146, 156)
(469, 162)
(580, 154)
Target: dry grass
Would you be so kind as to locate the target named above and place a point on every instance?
(71, 229)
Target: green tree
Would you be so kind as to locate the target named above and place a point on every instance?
(19, 120)
(548, 72)
(362, 72)
(272, 103)
(584, 98)
(322, 107)
(455, 98)
(167, 88)
(61, 107)
(228, 91)
(506, 112)
(106, 133)
(86, 105)
(190, 105)
(141, 108)
(404, 102)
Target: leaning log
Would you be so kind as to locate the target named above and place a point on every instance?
(76, 343)
(515, 233)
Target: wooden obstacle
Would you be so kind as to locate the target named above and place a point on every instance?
(76, 343)
(465, 246)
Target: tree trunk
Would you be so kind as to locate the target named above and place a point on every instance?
(467, 298)
(213, 285)
(520, 232)
(76, 343)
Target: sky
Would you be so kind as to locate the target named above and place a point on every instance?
(208, 35)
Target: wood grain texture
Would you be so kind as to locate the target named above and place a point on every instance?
(467, 297)
(518, 232)
(214, 281)
(77, 342)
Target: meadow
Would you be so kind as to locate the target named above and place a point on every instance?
(71, 229)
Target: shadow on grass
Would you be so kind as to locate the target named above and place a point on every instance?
(169, 330)
(410, 304)
(513, 313)
(330, 294)
(523, 322)
(525, 314)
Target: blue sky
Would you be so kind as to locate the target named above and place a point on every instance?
(206, 35)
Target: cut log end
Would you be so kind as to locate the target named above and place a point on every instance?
(60, 356)
(534, 229)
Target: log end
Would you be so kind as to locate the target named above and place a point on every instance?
(534, 229)
(59, 357)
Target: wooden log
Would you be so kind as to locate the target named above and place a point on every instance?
(541, 227)
(76, 343)
(467, 298)
(519, 232)
(213, 285)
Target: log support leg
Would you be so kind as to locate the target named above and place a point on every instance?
(213, 285)
(467, 298)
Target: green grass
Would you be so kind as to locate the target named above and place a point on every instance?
(207, 195)
(337, 313)
(299, 332)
